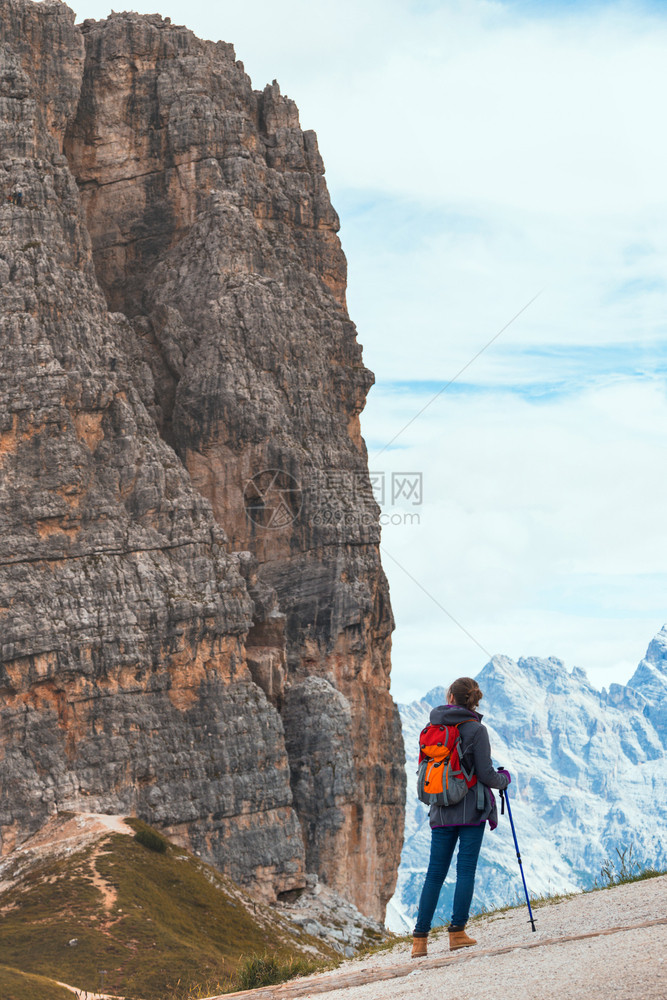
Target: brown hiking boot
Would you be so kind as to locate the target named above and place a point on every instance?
(419, 946)
(459, 939)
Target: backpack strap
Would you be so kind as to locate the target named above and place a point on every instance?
(480, 795)
(479, 786)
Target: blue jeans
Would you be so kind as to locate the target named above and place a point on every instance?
(443, 842)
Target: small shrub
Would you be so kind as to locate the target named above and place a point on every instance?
(624, 868)
(266, 970)
(613, 872)
(152, 840)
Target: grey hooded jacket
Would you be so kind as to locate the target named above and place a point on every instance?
(475, 751)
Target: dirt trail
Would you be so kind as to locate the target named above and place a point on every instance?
(608, 945)
(86, 995)
(68, 832)
(60, 837)
(109, 893)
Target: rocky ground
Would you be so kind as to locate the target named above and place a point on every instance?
(606, 945)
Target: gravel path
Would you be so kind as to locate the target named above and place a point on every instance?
(606, 964)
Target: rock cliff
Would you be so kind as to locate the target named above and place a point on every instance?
(195, 622)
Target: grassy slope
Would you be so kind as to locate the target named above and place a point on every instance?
(15, 985)
(173, 918)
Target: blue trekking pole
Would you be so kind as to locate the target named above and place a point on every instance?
(506, 799)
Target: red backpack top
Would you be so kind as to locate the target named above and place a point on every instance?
(441, 779)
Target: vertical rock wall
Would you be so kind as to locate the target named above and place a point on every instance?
(123, 680)
(212, 231)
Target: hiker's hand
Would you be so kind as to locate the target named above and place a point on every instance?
(502, 770)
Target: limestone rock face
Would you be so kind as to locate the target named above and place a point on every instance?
(190, 542)
(123, 680)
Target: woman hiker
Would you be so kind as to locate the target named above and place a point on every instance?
(463, 822)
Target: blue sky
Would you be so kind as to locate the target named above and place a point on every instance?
(478, 153)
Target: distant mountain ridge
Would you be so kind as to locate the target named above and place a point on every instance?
(589, 776)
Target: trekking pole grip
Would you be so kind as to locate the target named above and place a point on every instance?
(502, 794)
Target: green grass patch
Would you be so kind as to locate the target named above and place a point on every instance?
(152, 840)
(16, 985)
(266, 970)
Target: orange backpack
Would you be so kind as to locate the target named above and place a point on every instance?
(442, 779)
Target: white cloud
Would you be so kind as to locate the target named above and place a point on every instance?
(542, 528)
(425, 306)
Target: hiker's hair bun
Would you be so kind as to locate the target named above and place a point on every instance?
(466, 692)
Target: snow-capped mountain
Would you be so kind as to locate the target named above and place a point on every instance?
(650, 680)
(589, 776)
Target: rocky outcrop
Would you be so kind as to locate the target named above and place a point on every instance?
(326, 915)
(191, 542)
